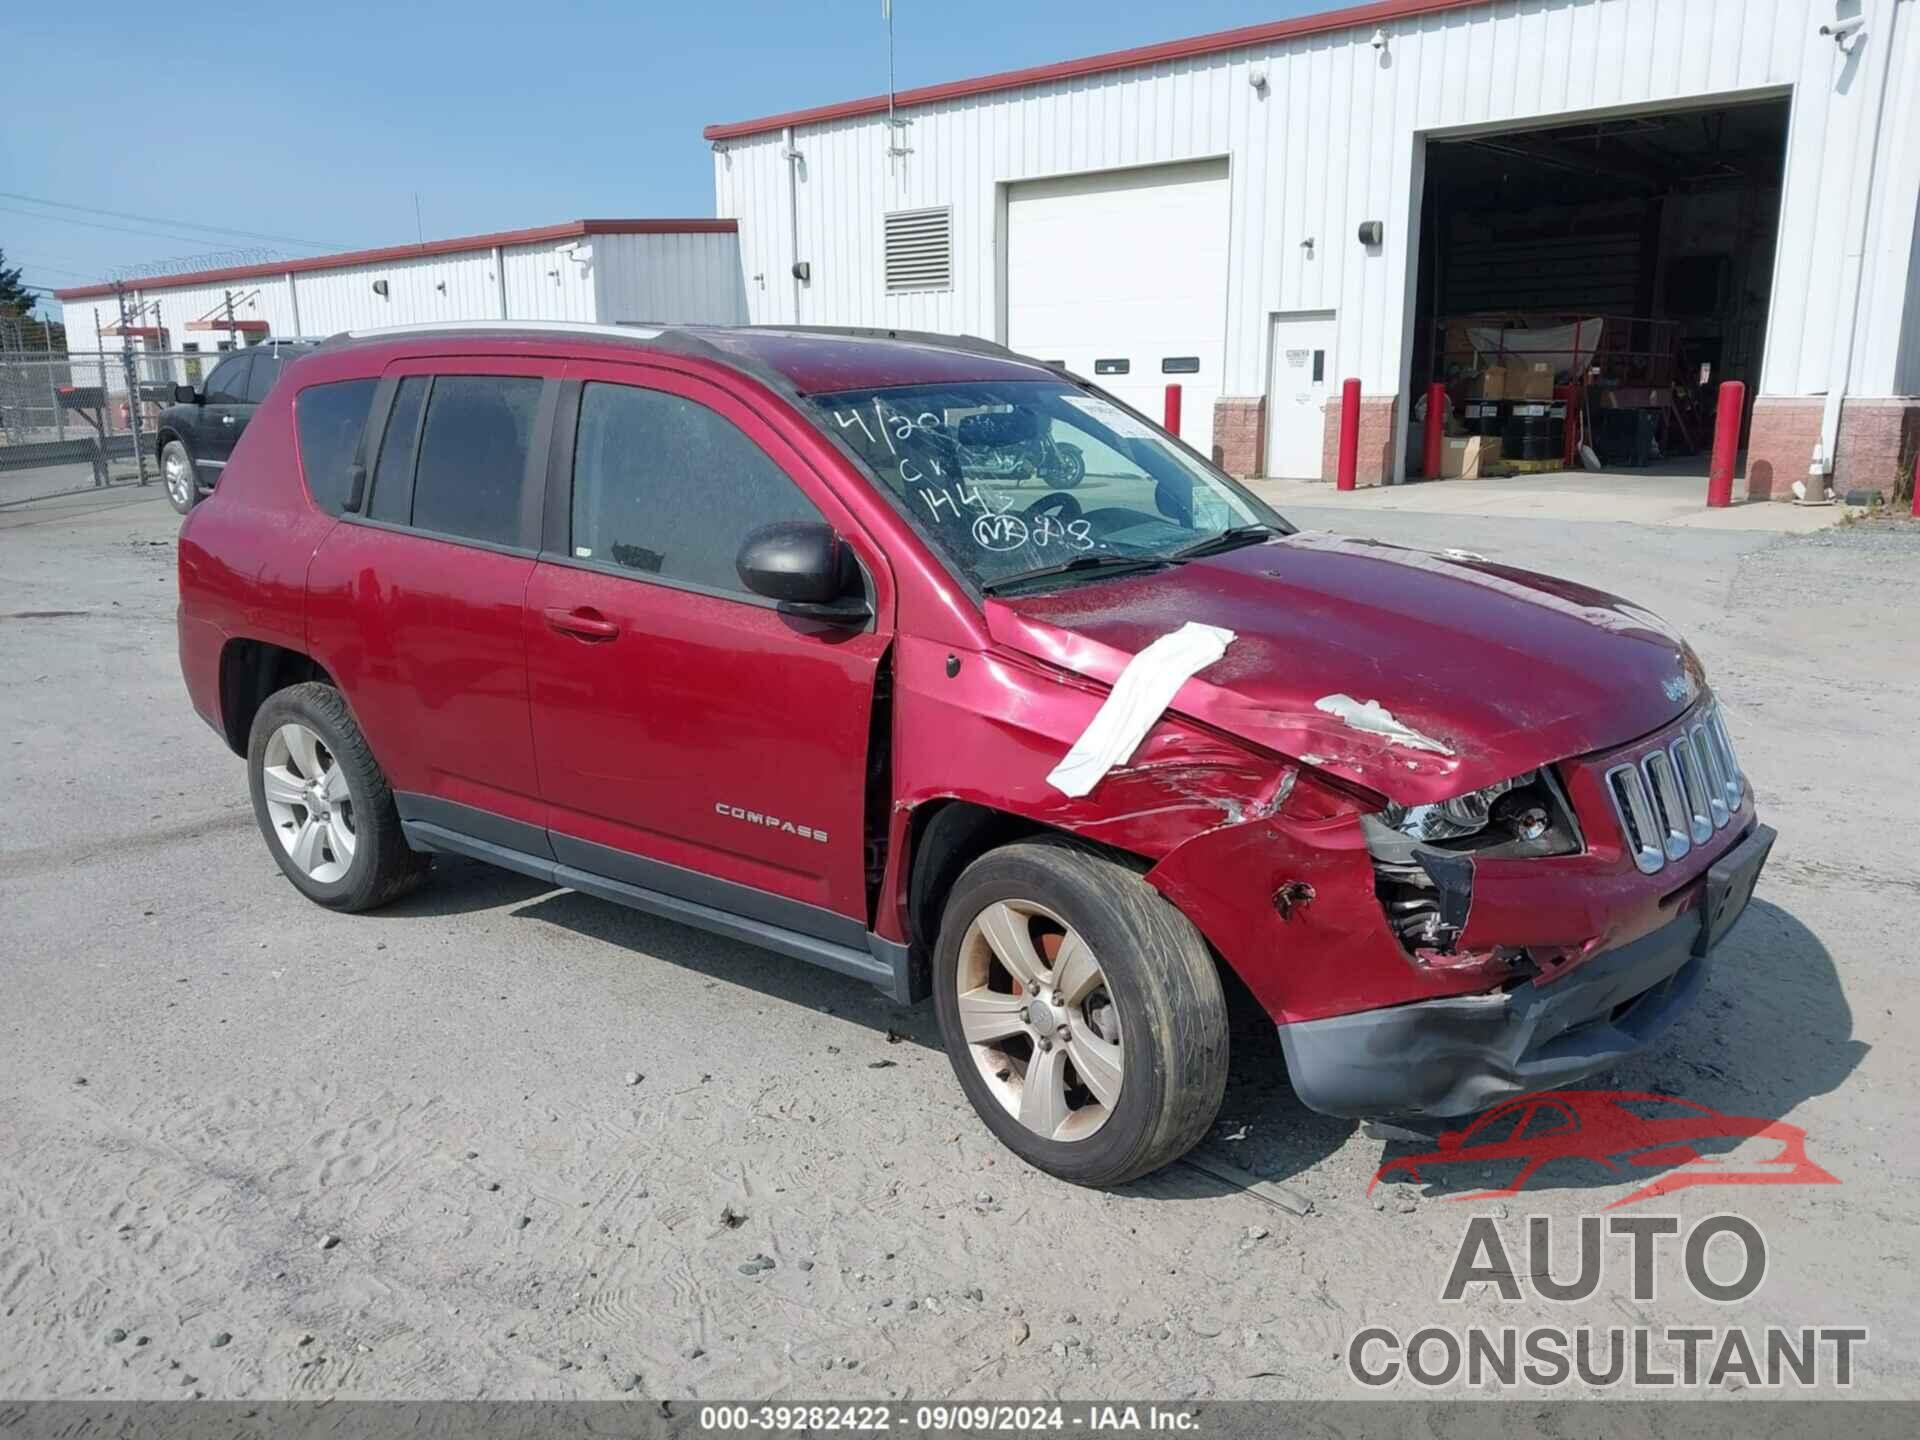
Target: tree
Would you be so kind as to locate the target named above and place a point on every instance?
(14, 295)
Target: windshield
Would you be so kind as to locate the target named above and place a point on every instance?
(1012, 479)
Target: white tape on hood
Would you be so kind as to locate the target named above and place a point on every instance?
(1138, 699)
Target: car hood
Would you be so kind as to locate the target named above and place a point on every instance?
(1419, 675)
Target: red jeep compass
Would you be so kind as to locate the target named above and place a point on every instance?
(930, 664)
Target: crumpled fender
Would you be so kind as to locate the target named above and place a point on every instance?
(1290, 905)
(990, 732)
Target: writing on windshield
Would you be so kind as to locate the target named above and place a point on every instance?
(1010, 477)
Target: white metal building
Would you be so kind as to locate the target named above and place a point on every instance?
(609, 271)
(1192, 212)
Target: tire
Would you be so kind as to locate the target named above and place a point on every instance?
(176, 474)
(1163, 1005)
(340, 843)
(1069, 468)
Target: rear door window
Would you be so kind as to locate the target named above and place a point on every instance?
(472, 470)
(263, 376)
(329, 419)
(228, 383)
(393, 476)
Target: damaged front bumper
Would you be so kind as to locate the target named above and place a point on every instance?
(1459, 1054)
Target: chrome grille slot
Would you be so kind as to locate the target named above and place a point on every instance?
(1723, 742)
(1709, 756)
(1669, 805)
(1693, 785)
(1675, 796)
(1630, 801)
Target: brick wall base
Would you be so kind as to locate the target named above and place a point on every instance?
(1379, 414)
(1240, 435)
(1876, 446)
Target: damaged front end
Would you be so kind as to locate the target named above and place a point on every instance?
(1424, 858)
(1426, 960)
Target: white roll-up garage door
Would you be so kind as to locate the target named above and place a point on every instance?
(1122, 275)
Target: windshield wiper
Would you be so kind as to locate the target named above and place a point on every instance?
(1078, 564)
(1229, 539)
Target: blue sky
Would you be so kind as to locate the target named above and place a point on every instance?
(319, 122)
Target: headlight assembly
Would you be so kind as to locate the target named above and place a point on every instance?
(1463, 815)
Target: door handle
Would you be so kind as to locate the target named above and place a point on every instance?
(585, 623)
(226, 419)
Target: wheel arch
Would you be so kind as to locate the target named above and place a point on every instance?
(948, 835)
(250, 671)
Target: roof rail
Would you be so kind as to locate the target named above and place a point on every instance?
(971, 343)
(498, 327)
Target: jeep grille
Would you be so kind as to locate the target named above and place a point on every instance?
(1676, 795)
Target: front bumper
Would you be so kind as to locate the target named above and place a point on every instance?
(1458, 1055)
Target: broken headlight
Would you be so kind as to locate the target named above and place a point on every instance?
(1464, 815)
(1423, 855)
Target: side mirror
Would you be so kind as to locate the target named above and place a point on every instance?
(806, 568)
(185, 395)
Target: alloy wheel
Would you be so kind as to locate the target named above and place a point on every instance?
(177, 471)
(1039, 1020)
(309, 802)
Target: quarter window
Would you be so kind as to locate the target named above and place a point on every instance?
(664, 486)
(329, 419)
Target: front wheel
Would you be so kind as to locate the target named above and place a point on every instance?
(1082, 1013)
(176, 472)
(324, 805)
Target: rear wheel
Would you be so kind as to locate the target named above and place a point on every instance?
(176, 472)
(324, 805)
(1082, 1013)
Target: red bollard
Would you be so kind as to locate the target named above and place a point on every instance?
(1349, 435)
(1916, 486)
(1436, 430)
(1172, 421)
(1726, 443)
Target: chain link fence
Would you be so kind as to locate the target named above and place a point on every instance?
(84, 420)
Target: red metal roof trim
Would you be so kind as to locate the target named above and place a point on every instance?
(1352, 18)
(251, 327)
(567, 230)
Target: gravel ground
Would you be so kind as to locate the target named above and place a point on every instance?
(509, 1142)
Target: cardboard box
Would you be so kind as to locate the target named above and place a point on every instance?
(1515, 381)
(1532, 381)
(1467, 457)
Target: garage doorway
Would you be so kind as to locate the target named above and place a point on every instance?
(1299, 360)
(1121, 275)
(1594, 284)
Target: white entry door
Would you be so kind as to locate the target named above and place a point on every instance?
(1299, 365)
(1122, 276)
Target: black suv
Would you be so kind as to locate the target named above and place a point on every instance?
(197, 432)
